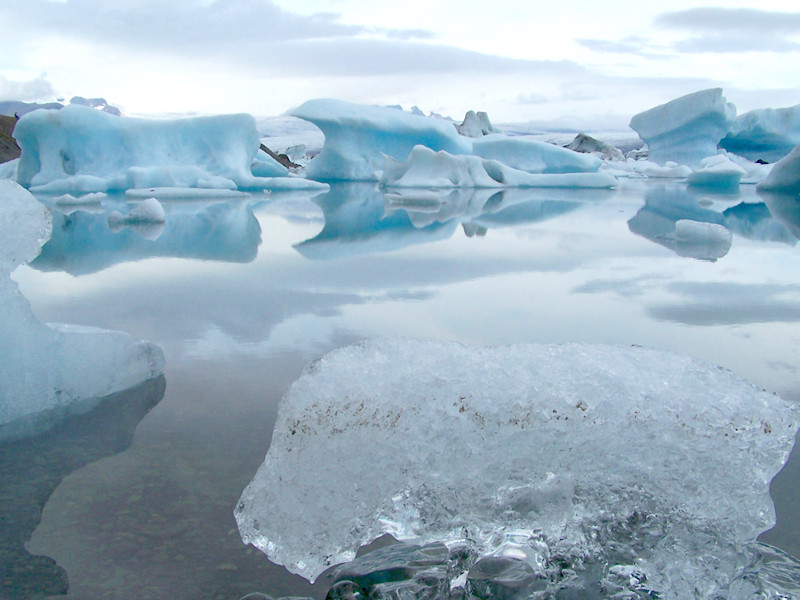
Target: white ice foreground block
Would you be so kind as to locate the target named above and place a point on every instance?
(568, 455)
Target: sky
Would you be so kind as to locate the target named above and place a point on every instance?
(578, 64)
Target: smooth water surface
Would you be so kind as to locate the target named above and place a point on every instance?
(242, 295)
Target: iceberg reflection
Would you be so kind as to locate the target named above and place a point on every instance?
(83, 242)
(361, 218)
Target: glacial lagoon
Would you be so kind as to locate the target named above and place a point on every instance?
(241, 295)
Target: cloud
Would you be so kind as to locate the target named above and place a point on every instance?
(728, 30)
(632, 45)
(259, 35)
(731, 20)
(26, 91)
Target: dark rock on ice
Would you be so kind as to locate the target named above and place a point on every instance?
(587, 144)
(281, 158)
(9, 150)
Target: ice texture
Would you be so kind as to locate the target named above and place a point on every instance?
(687, 129)
(784, 176)
(583, 460)
(46, 370)
(766, 133)
(425, 168)
(79, 149)
(534, 156)
(357, 138)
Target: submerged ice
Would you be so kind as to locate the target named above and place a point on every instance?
(47, 370)
(634, 468)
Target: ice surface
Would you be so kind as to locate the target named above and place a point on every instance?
(534, 156)
(357, 137)
(687, 129)
(425, 168)
(79, 149)
(784, 176)
(766, 133)
(583, 460)
(717, 172)
(49, 370)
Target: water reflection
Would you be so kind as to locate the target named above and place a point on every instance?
(670, 217)
(786, 209)
(82, 242)
(363, 219)
(32, 468)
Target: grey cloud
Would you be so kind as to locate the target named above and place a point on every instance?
(739, 20)
(26, 91)
(727, 30)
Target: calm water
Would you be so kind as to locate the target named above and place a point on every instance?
(241, 295)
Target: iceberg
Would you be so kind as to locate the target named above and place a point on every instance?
(584, 461)
(687, 129)
(784, 177)
(534, 156)
(766, 133)
(357, 138)
(425, 168)
(80, 150)
(50, 370)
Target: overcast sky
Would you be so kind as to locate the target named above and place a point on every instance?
(579, 63)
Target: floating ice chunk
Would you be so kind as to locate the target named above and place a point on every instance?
(476, 125)
(784, 176)
(68, 200)
(425, 168)
(766, 133)
(534, 156)
(357, 137)
(687, 129)
(49, 370)
(717, 172)
(670, 170)
(573, 457)
(79, 149)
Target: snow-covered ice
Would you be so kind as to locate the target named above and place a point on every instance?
(765, 133)
(357, 138)
(784, 176)
(476, 124)
(47, 370)
(571, 457)
(687, 129)
(78, 150)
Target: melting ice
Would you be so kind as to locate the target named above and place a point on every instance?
(582, 460)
